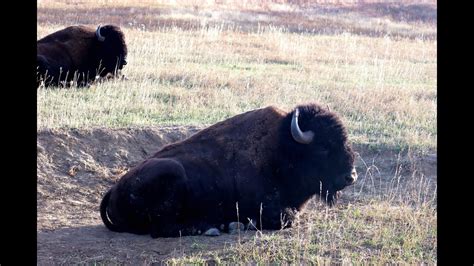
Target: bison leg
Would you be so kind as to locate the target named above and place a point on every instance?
(161, 184)
(162, 227)
(165, 227)
(276, 219)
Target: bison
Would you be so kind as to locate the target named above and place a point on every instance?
(261, 166)
(80, 54)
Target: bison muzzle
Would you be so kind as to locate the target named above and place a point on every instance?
(265, 163)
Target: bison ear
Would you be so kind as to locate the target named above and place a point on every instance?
(322, 152)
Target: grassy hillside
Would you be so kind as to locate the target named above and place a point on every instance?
(381, 80)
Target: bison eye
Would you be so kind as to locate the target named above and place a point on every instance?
(322, 152)
(323, 148)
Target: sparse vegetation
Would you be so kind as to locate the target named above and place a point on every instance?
(190, 64)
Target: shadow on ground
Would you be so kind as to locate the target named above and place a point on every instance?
(96, 244)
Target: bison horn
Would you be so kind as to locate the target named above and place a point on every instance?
(300, 136)
(99, 36)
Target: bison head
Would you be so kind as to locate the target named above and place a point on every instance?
(112, 52)
(320, 151)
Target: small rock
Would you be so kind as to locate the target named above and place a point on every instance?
(212, 232)
(234, 227)
(73, 170)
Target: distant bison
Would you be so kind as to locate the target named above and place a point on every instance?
(266, 163)
(80, 53)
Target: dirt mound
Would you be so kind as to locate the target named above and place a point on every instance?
(76, 167)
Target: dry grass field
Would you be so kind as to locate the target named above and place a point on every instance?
(194, 63)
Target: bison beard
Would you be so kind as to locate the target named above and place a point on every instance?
(268, 161)
(79, 54)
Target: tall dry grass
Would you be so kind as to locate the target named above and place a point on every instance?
(385, 89)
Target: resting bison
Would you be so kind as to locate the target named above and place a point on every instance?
(80, 53)
(264, 161)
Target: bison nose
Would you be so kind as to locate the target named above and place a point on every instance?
(350, 179)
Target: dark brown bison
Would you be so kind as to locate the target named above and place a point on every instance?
(79, 54)
(267, 163)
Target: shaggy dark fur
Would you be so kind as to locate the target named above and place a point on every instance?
(76, 54)
(250, 159)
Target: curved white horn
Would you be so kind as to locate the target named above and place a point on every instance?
(300, 136)
(99, 36)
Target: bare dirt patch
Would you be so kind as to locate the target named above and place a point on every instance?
(76, 167)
